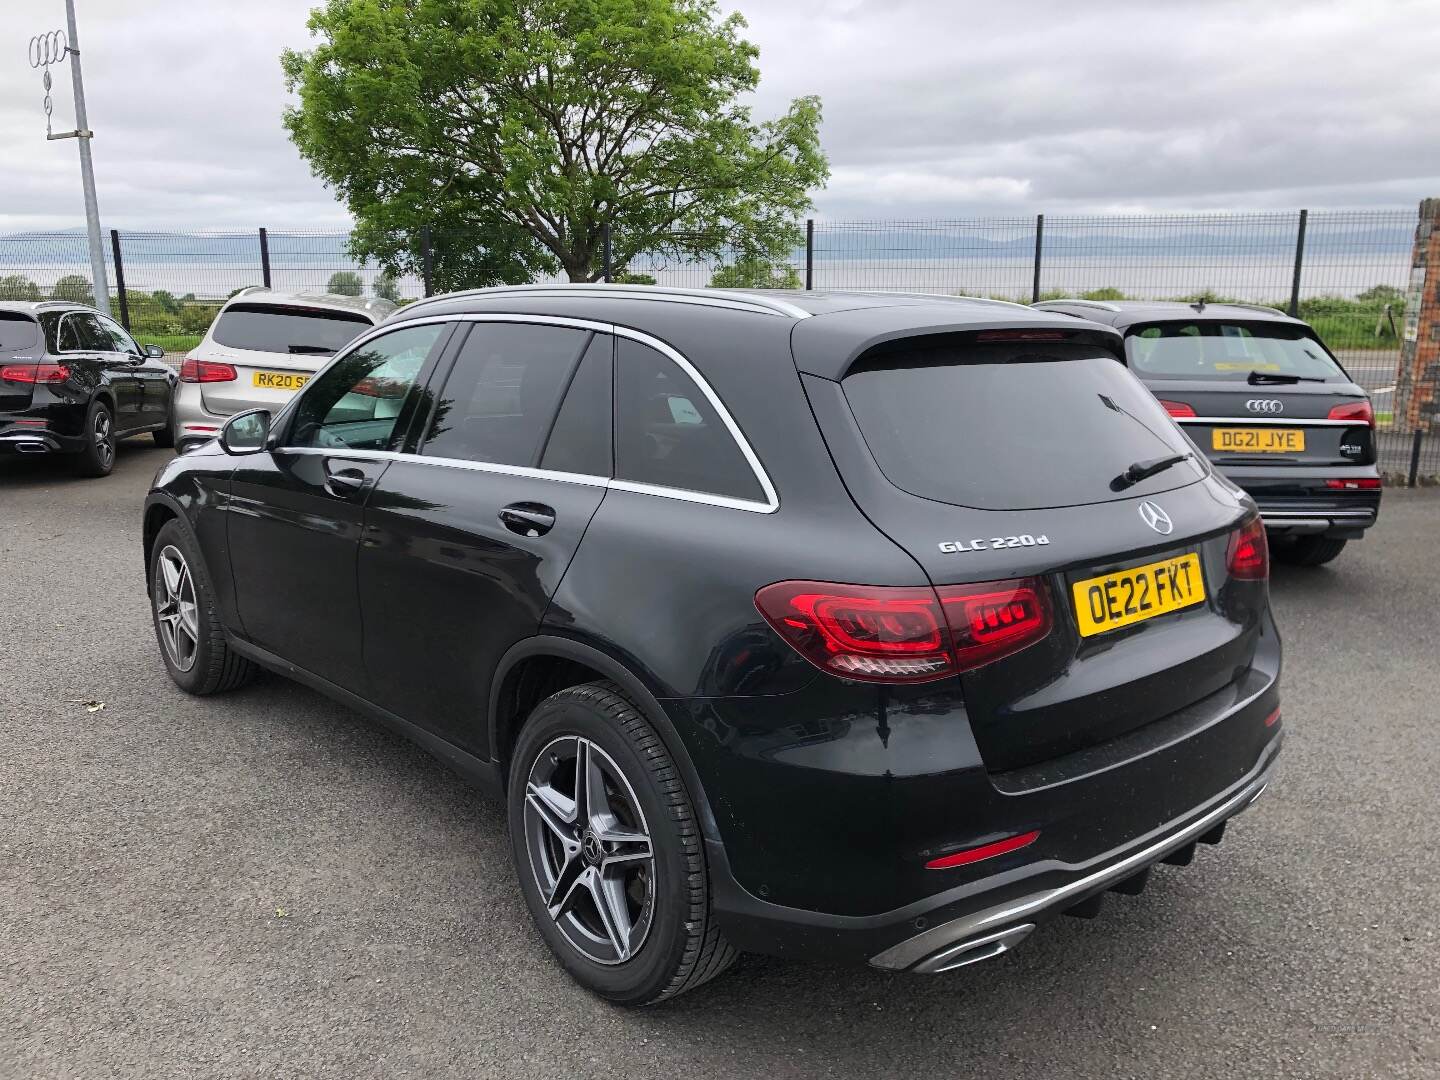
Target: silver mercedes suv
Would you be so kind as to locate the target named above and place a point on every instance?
(261, 348)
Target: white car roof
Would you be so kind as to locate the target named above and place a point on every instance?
(374, 306)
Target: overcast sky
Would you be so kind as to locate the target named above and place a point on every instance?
(932, 107)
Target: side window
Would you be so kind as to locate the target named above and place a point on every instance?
(119, 340)
(667, 433)
(50, 325)
(81, 332)
(580, 441)
(356, 404)
(501, 396)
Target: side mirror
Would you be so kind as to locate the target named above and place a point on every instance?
(246, 432)
(155, 352)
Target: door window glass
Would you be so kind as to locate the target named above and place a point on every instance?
(119, 340)
(580, 440)
(501, 396)
(81, 332)
(357, 403)
(668, 434)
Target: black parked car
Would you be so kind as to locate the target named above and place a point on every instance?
(73, 381)
(855, 625)
(1268, 403)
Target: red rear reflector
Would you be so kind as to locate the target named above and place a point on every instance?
(986, 851)
(1363, 483)
(1022, 335)
(203, 371)
(1273, 718)
(1358, 412)
(28, 423)
(879, 633)
(1177, 408)
(1249, 555)
(34, 373)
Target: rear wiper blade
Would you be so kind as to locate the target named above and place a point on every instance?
(311, 349)
(1256, 378)
(1143, 470)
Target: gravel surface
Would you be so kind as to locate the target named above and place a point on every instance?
(266, 885)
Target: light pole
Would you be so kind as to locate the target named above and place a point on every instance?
(53, 48)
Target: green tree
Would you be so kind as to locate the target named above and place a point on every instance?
(754, 273)
(166, 301)
(387, 288)
(18, 287)
(516, 130)
(345, 283)
(74, 288)
(1382, 294)
(635, 279)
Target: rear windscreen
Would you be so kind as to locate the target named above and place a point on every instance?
(1227, 351)
(272, 328)
(1013, 426)
(17, 331)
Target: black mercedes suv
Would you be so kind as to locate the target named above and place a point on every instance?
(1268, 403)
(74, 382)
(868, 626)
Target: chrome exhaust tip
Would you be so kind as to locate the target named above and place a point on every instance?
(31, 446)
(974, 950)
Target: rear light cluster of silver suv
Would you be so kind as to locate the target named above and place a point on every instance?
(206, 371)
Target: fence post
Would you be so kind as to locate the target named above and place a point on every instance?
(1415, 456)
(427, 261)
(1299, 263)
(809, 254)
(1039, 243)
(120, 279)
(264, 257)
(607, 254)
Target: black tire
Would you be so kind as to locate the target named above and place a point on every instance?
(213, 666)
(165, 437)
(98, 456)
(1310, 551)
(683, 946)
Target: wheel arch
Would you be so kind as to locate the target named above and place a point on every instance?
(159, 509)
(539, 666)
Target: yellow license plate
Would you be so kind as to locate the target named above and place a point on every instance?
(1129, 596)
(1258, 440)
(280, 380)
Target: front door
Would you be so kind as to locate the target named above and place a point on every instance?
(467, 539)
(296, 512)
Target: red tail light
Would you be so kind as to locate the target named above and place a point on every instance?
(1357, 412)
(1249, 556)
(985, 851)
(38, 374)
(1361, 483)
(206, 371)
(1177, 408)
(907, 633)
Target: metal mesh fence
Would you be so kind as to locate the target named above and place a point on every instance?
(1353, 269)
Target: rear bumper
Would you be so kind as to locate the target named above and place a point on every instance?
(194, 423)
(1294, 501)
(28, 441)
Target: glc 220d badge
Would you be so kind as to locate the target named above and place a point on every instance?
(952, 547)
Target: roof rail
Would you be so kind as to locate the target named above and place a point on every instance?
(731, 298)
(1254, 307)
(957, 297)
(1099, 304)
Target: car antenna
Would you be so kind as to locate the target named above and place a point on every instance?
(1199, 305)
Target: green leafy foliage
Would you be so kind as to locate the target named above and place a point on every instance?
(635, 279)
(74, 288)
(387, 288)
(18, 287)
(345, 283)
(754, 273)
(1107, 293)
(516, 130)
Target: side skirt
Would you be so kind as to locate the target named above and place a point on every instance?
(484, 775)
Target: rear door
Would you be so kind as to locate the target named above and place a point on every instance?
(295, 513)
(468, 535)
(83, 339)
(275, 349)
(1254, 393)
(1007, 463)
(153, 380)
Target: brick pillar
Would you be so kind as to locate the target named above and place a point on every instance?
(1419, 382)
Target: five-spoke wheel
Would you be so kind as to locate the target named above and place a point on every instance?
(176, 615)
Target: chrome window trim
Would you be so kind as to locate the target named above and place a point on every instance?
(770, 504)
(1265, 421)
(77, 352)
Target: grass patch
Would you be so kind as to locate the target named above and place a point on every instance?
(171, 343)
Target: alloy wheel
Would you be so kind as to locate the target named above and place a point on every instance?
(590, 849)
(176, 612)
(104, 448)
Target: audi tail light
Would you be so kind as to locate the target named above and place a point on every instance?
(1360, 483)
(35, 374)
(905, 634)
(1248, 557)
(1177, 408)
(206, 371)
(1357, 412)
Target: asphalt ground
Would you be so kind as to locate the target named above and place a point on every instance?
(264, 884)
